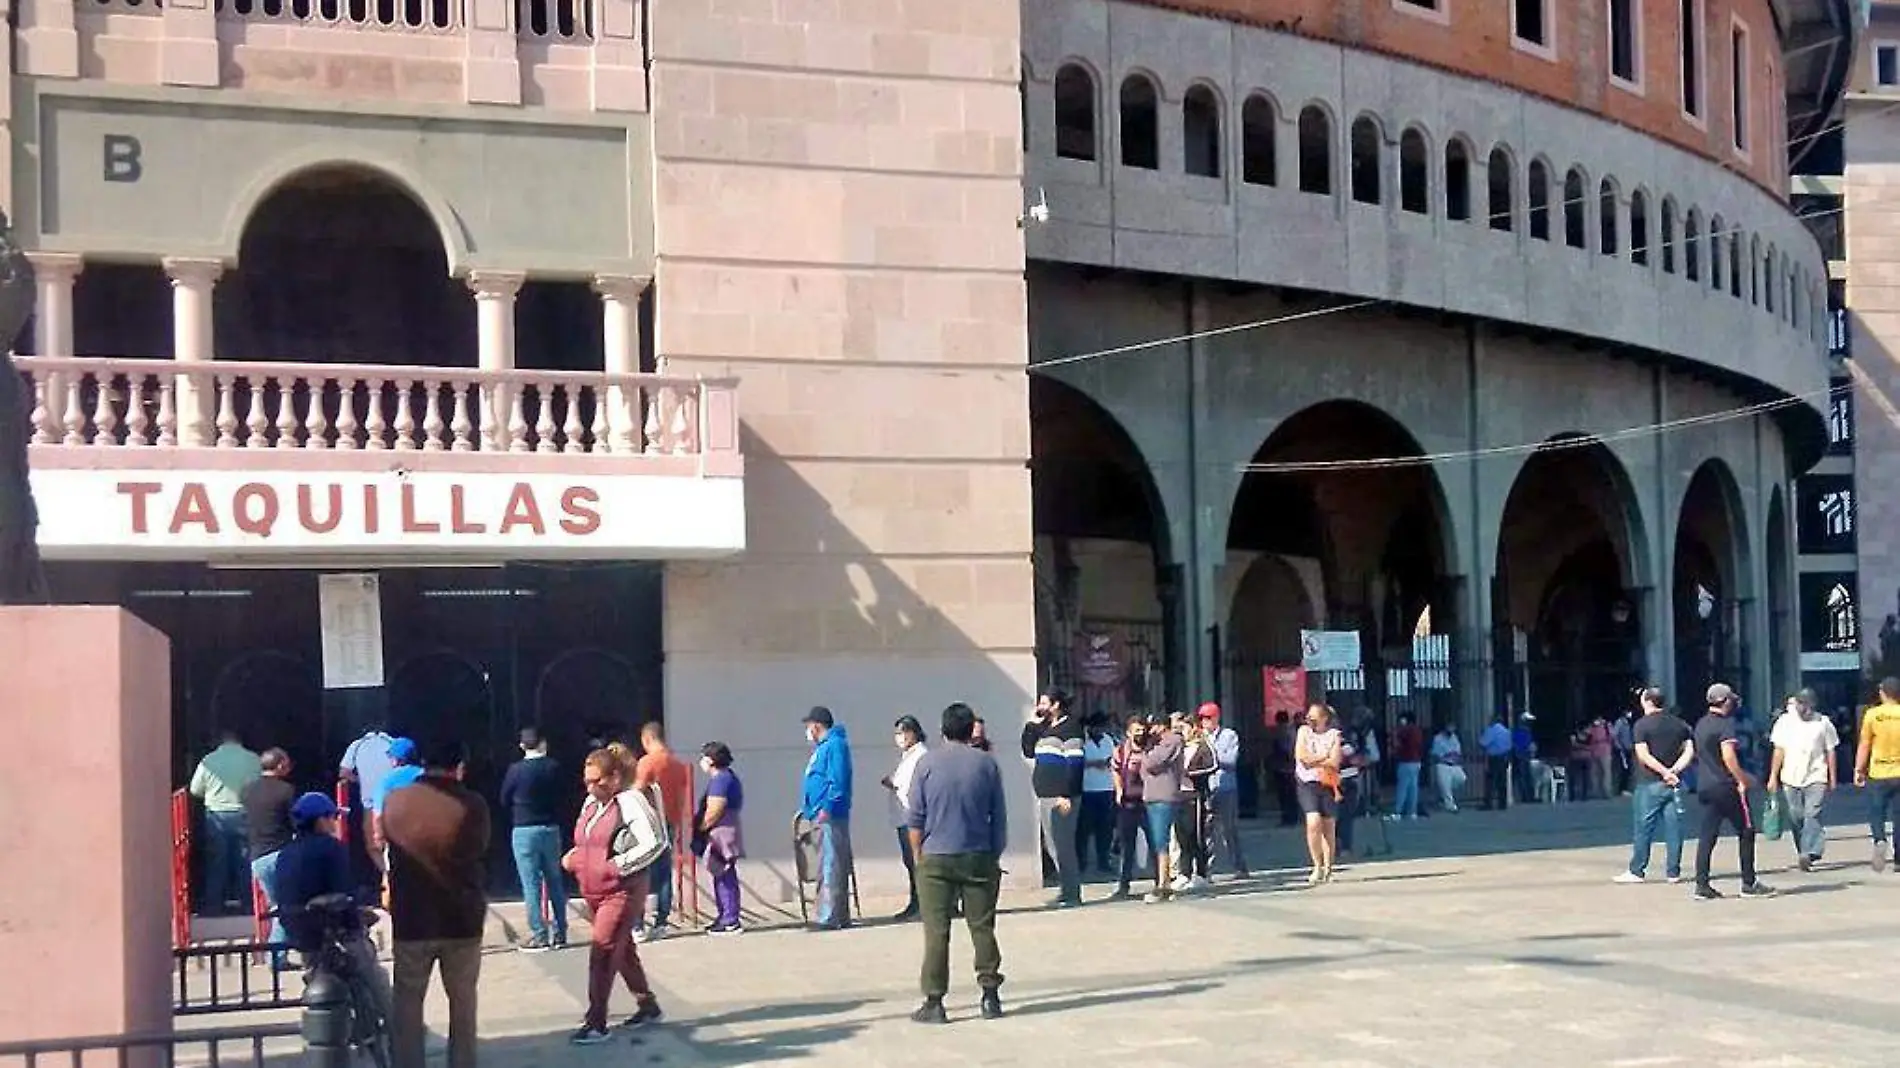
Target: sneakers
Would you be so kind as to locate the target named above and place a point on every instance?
(537, 944)
(589, 1036)
(1198, 884)
(653, 933)
(992, 1005)
(1805, 863)
(733, 928)
(1675, 879)
(646, 1015)
(1629, 878)
(1706, 893)
(1180, 884)
(905, 916)
(930, 1012)
(1156, 897)
(1881, 856)
(1758, 889)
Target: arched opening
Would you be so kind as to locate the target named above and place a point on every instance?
(1106, 608)
(1140, 124)
(1781, 624)
(1259, 136)
(1368, 158)
(1415, 193)
(1711, 559)
(1735, 272)
(1565, 600)
(1538, 199)
(1754, 270)
(1457, 180)
(1576, 203)
(1769, 281)
(1639, 228)
(1075, 112)
(1503, 191)
(1200, 133)
(1606, 218)
(1354, 548)
(1692, 246)
(1316, 151)
(1718, 262)
(1669, 236)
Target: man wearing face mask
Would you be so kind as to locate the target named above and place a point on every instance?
(827, 806)
(1802, 769)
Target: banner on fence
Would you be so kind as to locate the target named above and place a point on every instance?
(1431, 661)
(1285, 688)
(1330, 650)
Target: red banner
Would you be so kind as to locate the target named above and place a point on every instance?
(1285, 689)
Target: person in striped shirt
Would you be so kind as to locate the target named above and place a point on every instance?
(1053, 742)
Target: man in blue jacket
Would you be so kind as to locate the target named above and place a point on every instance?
(827, 806)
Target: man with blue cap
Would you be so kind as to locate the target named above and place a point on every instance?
(405, 770)
(316, 863)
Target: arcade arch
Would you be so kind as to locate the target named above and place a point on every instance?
(1709, 583)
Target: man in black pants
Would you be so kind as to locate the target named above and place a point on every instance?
(1723, 787)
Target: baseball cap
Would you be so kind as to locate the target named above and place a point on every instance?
(1210, 710)
(402, 751)
(312, 807)
(530, 738)
(819, 715)
(1720, 694)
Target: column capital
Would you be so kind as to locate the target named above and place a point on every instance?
(622, 286)
(60, 265)
(190, 271)
(493, 284)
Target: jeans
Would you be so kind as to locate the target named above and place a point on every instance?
(1521, 780)
(264, 870)
(1880, 795)
(461, 961)
(1656, 803)
(971, 881)
(1725, 805)
(1160, 815)
(1497, 781)
(538, 865)
(726, 895)
(1406, 803)
(1130, 822)
(226, 869)
(660, 878)
(1058, 837)
(1804, 818)
(910, 867)
(1225, 825)
(834, 872)
(1096, 828)
(612, 954)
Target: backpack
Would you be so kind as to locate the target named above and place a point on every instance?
(641, 836)
(1200, 760)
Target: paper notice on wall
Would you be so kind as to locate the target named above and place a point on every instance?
(1329, 650)
(350, 607)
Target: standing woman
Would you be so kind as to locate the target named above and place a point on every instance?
(1316, 754)
(615, 901)
(716, 834)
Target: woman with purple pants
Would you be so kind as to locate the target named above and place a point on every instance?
(716, 834)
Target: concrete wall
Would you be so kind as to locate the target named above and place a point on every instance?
(1169, 221)
(1872, 219)
(837, 195)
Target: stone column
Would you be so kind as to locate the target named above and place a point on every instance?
(495, 345)
(620, 320)
(188, 55)
(193, 281)
(48, 39)
(492, 61)
(617, 75)
(53, 277)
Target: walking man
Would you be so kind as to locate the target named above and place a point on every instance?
(533, 793)
(827, 806)
(219, 782)
(1053, 740)
(1802, 772)
(1664, 747)
(1225, 803)
(958, 829)
(1723, 784)
(437, 830)
(267, 801)
(1497, 745)
(1877, 764)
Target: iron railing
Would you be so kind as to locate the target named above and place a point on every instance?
(155, 1048)
(234, 977)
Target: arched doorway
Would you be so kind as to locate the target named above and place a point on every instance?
(1781, 624)
(1707, 585)
(1339, 523)
(1107, 622)
(1566, 615)
(274, 700)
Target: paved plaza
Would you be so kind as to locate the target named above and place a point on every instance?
(1487, 939)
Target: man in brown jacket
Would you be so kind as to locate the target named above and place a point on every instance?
(437, 831)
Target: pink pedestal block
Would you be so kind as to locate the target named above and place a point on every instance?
(85, 782)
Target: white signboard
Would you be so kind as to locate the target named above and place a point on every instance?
(268, 516)
(1847, 661)
(350, 608)
(1329, 650)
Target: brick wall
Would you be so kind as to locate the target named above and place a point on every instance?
(1474, 39)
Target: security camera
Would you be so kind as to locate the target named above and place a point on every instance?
(1038, 212)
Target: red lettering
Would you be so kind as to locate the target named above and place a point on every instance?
(194, 506)
(578, 503)
(372, 510)
(410, 524)
(139, 492)
(306, 509)
(254, 508)
(522, 509)
(458, 514)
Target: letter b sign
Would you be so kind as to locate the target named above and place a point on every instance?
(122, 152)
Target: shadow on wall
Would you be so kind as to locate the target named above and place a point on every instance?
(832, 622)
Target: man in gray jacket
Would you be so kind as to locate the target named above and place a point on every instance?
(1225, 805)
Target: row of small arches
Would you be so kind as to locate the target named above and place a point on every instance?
(1701, 250)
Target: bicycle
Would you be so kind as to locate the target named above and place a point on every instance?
(338, 915)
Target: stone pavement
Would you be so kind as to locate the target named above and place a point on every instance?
(1488, 939)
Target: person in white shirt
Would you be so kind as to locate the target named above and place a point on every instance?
(1803, 771)
(1448, 767)
(908, 736)
(1095, 832)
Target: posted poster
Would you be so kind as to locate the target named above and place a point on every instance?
(1285, 688)
(350, 608)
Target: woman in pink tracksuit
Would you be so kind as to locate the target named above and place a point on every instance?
(615, 901)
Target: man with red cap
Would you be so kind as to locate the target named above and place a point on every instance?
(1224, 805)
